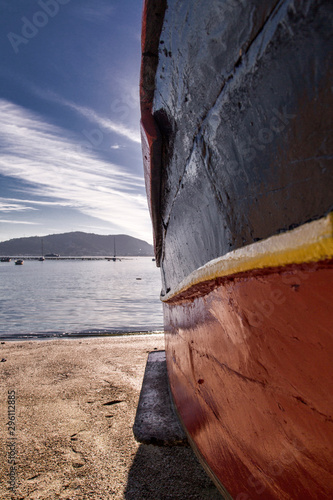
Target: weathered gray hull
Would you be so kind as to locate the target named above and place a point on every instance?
(236, 102)
(243, 102)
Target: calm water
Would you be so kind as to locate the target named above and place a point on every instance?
(79, 296)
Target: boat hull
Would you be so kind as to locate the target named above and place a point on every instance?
(249, 365)
(236, 100)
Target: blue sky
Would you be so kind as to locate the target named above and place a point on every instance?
(70, 157)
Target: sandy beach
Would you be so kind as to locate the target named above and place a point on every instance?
(75, 404)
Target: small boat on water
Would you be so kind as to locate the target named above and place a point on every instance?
(6, 259)
(236, 121)
(42, 258)
(114, 258)
(19, 262)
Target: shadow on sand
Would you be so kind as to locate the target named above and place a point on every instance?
(162, 473)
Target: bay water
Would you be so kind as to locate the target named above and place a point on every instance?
(73, 297)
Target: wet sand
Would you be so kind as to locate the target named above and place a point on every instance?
(75, 406)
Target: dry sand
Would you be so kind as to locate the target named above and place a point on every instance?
(76, 401)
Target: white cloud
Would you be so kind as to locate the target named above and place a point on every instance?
(124, 108)
(57, 168)
(18, 202)
(13, 207)
(19, 222)
(105, 123)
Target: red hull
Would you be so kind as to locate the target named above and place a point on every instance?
(250, 370)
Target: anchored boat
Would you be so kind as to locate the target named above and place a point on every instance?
(42, 258)
(236, 120)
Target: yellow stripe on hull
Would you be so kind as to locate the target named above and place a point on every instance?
(311, 242)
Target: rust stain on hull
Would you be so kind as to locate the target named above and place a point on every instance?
(250, 368)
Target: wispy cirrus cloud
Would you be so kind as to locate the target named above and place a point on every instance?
(57, 169)
(106, 123)
(11, 221)
(14, 207)
(19, 203)
(121, 108)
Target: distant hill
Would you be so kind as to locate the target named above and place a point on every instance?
(77, 244)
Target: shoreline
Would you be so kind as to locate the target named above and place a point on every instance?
(24, 337)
